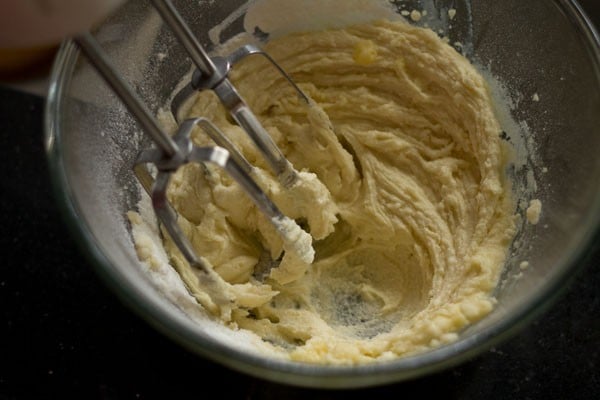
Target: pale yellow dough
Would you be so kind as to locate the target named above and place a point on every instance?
(403, 190)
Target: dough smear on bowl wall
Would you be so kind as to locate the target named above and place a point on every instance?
(404, 191)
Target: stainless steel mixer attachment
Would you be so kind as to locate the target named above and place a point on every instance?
(171, 153)
(212, 74)
(200, 81)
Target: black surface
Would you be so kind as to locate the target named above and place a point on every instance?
(65, 335)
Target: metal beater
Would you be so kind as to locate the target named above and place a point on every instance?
(171, 153)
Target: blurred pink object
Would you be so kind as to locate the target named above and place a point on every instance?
(33, 23)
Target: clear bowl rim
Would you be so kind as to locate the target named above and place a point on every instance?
(307, 375)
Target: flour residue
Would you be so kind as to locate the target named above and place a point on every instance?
(345, 308)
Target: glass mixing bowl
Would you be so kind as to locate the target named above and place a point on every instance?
(539, 49)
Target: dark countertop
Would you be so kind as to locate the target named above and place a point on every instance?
(65, 335)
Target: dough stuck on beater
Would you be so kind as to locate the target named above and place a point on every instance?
(295, 239)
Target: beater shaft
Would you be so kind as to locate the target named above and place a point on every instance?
(93, 52)
(183, 33)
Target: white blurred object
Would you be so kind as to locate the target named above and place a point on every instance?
(32, 23)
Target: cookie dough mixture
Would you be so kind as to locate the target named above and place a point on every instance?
(402, 188)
